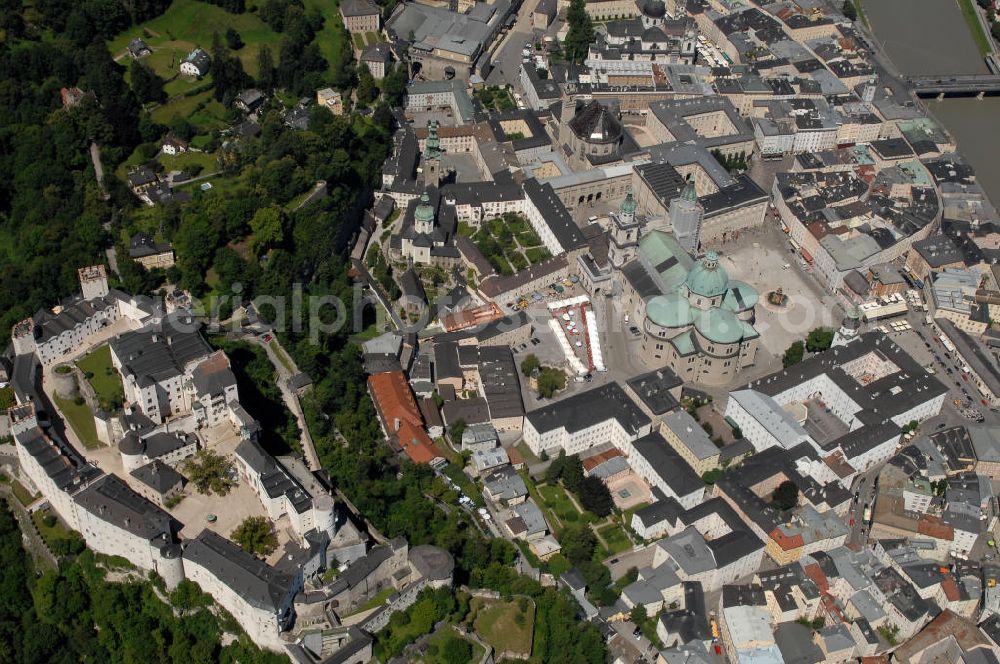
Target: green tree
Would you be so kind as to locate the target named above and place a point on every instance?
(529, 364)
(572, 473)
(456, 429)
(456, 651)
(209, 472)
(233, 40)
(268, 228)
(581, 31)
(367, 91)
(255, 535)
(786, 496)
(550, 381)
(578, 543)
(147, 86)
(794, 354)
(187, 595)
(819, 339)
(595, 497)
(265, 69)
(850, 11)
(554, 472)
(638, 615)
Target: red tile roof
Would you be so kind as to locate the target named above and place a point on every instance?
(401, 416)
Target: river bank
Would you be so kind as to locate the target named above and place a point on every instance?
(935, 38)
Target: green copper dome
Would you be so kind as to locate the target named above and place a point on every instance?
(629, 205)
(669, 310)
(424, 211)
(740, 297)
(719, 325)
(688, 193)
(708, 278)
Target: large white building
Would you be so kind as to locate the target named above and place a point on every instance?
(281, 493)
(153, 363)
(51, 335)
(582, 421)
(260, 597)
(848, 402)
(548, 216)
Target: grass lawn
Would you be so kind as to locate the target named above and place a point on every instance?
(282, 358)
(366, 334)
(372, 38)
(7, 399)
(614, 538)
(358, 40)
(184, 162)
(333, 35)
(50, 534)
(190, 23)
(556, 499)
(82, 421)
(505, 626)
(440, 637)
(537, 254)
(102, 376)
(377, 600)
(182, 107)
(526, 453)
(211, 116)
(220, 183)
(22, 494)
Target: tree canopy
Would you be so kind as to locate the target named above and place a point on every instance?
(786, 496)
(794, 354)
(255, 535)
(819, 339)
(74, 614)
(581, 31)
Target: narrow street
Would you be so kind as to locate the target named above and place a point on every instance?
(507, 57)
(290, 398)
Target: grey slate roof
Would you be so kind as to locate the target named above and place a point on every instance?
(113, 501)
(256, 582)
(555, 215)
(155, 355)
(586, 409)
(653, 389)
(158, 476)
(672, 468)
(276, 480)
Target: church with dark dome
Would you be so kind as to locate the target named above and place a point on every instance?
(593, 136)
(692, 316)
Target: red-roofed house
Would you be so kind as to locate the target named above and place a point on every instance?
(400, 417)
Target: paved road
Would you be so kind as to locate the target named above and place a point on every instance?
(95, 157)
(290, 398)
(507, 58)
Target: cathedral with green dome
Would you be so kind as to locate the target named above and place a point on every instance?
(692, 316)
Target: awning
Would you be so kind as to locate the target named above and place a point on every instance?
(806, 255)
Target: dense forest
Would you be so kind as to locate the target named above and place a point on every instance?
(75, 614)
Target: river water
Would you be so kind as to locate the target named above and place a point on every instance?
(931, 37)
